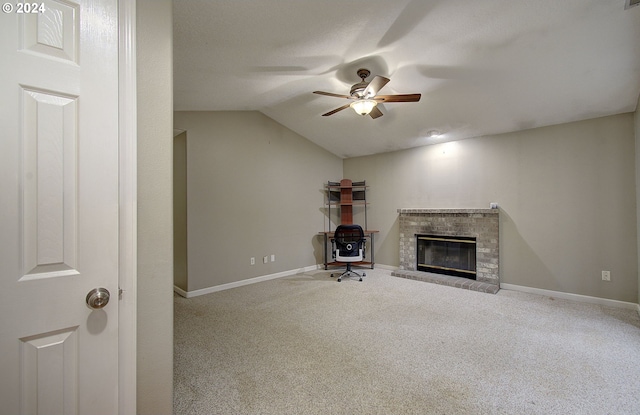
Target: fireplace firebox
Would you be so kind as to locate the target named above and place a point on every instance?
(449, 255)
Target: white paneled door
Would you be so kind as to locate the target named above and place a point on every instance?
(58, 207)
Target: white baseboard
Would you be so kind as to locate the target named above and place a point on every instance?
(574, 297)
(387, 267)
(180, 292)
(235, 284)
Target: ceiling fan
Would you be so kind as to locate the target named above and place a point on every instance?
(365, 98)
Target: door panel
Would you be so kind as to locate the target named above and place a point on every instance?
(50, 187)
(59, 208)
(49, 367)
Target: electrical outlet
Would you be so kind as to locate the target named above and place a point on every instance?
(253, 261)
(265, 259)
(606, 275)
(273, 257)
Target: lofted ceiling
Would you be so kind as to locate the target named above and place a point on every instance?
(482, 67)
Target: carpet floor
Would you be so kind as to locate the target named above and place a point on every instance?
(305, 344)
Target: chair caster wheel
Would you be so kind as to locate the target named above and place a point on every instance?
(364, 274)
(360, 279)
(339, 279)
(331, 275)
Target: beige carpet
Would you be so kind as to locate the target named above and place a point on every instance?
(306, 344)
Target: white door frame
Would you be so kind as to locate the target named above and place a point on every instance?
(128, 240)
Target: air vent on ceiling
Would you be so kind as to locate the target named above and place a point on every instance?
(630, 3)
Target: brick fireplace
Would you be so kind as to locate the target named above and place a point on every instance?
(481, 224)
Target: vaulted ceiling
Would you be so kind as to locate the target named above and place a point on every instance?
(483, 67)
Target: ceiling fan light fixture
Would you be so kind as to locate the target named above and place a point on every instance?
(364, 106)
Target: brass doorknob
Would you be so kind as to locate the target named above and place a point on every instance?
(98, 298)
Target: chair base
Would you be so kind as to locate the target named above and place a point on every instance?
(349, 272)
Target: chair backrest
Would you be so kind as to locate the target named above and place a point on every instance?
(349, 240)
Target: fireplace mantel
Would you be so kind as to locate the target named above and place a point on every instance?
(483, 224)
(447, 211)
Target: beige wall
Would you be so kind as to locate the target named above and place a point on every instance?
(637, 153)
(566, 193)
(155, 239)
(254, 189)
(180, 211)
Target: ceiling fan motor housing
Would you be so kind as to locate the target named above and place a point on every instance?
(357, 90)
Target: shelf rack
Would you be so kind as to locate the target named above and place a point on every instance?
(343, 196)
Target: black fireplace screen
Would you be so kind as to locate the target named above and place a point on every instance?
(450, 255)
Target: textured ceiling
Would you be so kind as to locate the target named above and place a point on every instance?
(482, 67)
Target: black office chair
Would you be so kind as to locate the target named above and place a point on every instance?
(348, 246)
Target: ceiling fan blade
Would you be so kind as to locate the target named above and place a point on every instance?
(398, 98)
(375, 113)
(329, 94)
(375, 85)
(336, 110)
